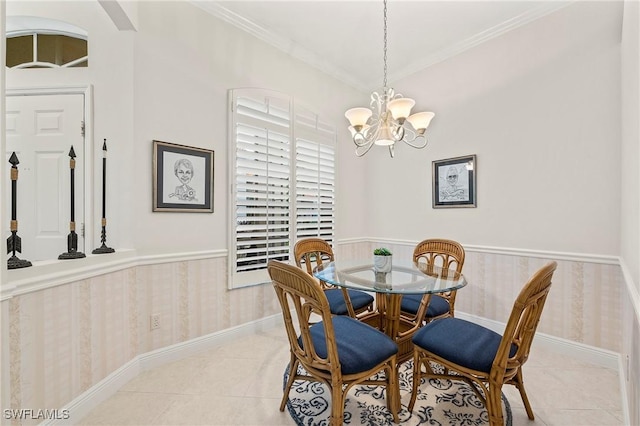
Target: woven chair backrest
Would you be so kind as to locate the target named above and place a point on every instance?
(447, 254)
(522, 324)
(301, 294)
(312, 252)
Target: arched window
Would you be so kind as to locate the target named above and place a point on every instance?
(34, 42)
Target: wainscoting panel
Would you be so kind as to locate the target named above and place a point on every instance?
(65, 339)
(584, 304)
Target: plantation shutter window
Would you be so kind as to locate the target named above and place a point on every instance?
(315, 177)
(282, 174)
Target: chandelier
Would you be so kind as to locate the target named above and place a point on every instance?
(388, 119)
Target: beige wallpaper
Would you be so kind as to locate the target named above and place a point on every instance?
(584, 304)
(64, 340)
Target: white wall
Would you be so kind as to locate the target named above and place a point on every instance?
(630, 244)
(630, 203)
(540, 108)
(168, 81)
(111, 74)
(185, 61)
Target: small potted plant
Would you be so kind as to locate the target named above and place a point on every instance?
(382, 260)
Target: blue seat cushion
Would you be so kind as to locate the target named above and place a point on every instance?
(462, 342)
(337, 304)
(360, 346)
(437, 305)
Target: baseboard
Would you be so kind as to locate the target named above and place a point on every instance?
(94, 396)
(597, 356)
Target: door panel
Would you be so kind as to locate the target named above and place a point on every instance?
(41, 130)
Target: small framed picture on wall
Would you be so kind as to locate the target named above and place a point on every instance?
(182, 178)
(454, 182)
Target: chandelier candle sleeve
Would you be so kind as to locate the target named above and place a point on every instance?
(385, 121)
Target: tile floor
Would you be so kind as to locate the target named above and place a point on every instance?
(240, 383)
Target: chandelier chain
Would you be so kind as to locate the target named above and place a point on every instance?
(388, 119)
(385, 46)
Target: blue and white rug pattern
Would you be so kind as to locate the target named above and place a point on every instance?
(439, 403)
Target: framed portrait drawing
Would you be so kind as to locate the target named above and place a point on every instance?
(454, 182)
(182, 178)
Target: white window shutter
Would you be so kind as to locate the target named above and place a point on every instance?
(281, 191)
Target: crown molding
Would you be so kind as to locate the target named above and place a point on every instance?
(497, 30)
(282, 43)
(299, 52)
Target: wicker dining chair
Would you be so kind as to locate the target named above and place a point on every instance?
(338, 351)
(447, 254)
(312, 252)
(481, 357)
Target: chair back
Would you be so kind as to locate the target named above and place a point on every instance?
(300, 293)
(312, 252)
(447, 254)
(521, 327)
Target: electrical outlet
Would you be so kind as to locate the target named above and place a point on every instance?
(155, 321)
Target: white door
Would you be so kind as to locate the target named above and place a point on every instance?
(41, 129)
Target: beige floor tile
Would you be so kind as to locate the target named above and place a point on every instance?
(240, 383)
(210, 409)
(581, 418)
(175, 377)
(130, 408)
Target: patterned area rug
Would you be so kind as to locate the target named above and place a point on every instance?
(439, 402)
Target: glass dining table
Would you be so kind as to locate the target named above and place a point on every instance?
(389, 287)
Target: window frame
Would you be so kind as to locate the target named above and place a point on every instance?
(32, 26)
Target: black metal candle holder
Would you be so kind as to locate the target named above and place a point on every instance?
(72, 238)
(103, 235)
(14, 242)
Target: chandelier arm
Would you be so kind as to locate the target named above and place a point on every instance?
(367, 148)
(359, 144)
(370, 137)
(399, 133)
(415, 145)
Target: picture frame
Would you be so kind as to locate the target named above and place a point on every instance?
(182, 178)
(454, 182)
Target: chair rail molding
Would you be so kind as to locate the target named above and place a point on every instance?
(507, 251)
(47, 274)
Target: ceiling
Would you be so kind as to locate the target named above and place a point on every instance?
(345, 38)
